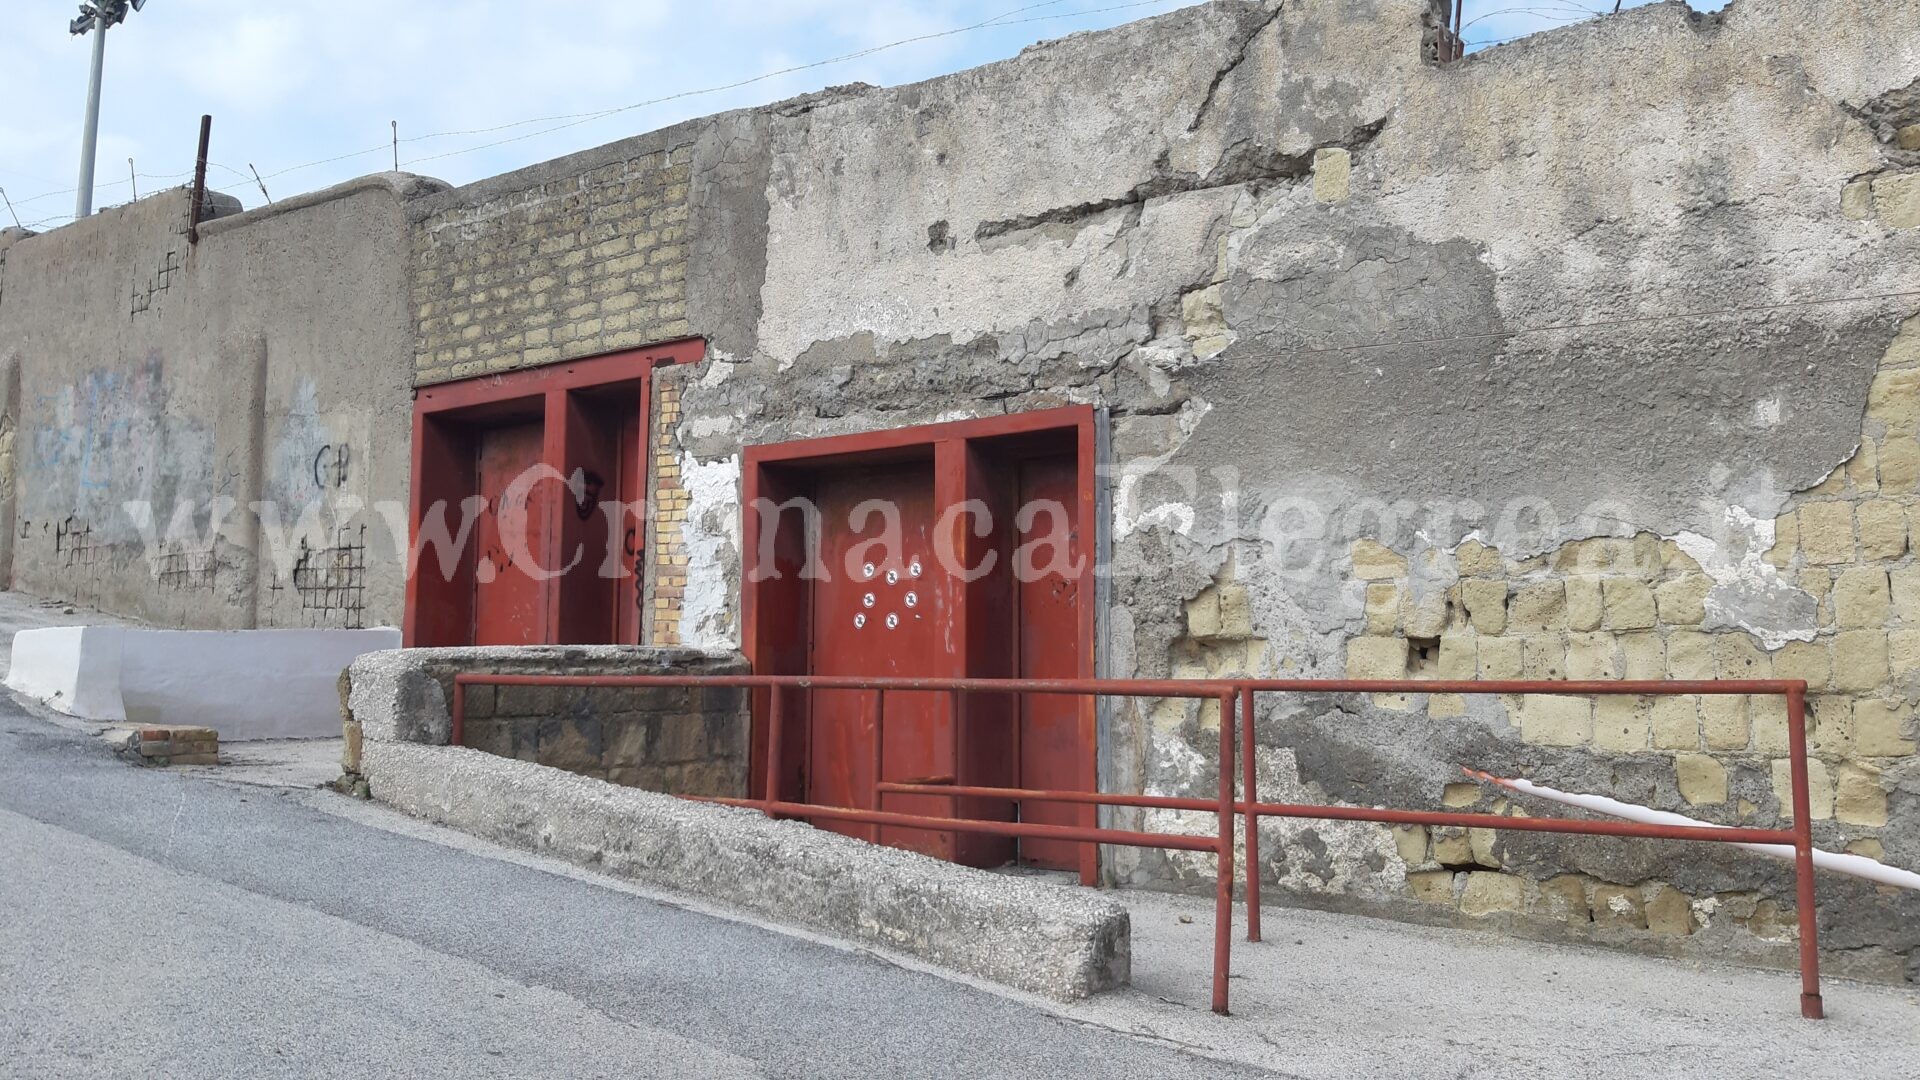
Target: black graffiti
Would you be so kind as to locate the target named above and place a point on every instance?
(330, 465)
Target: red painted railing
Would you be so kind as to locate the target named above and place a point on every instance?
(1227, 693)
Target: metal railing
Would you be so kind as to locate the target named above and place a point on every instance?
(1227, 693)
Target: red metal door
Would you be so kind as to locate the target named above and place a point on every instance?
(509, 606)
(1048, 550)
(879, 610)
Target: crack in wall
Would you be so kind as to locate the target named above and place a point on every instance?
(1239, 56)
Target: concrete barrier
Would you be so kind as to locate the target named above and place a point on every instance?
(246, 684)
(1048, 939)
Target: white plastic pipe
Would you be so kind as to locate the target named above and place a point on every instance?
(1855, 865)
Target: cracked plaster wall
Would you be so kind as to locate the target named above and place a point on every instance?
(1386, 348)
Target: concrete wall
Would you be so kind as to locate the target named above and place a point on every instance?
(1583, 356)
(1594, 353)
(268, 364)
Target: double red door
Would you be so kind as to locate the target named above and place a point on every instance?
(884, 604)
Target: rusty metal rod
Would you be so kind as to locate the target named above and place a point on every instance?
(1170, 841)
(1811, 1005)
(1578, 826)
(1223, 870)
(1179, 688)
(1564, 687)
(199, 180)
(1250, 793)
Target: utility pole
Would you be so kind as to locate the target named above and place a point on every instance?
(96, 16)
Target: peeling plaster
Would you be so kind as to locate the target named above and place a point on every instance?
(711, 533)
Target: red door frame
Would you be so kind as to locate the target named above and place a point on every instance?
(768, 472)
(434, 603)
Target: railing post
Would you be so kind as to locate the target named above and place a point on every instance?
(1250, 792)
(1810, 1003)
(458, 735)
(1223, 870)
(774, 724)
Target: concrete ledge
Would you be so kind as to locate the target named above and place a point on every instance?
(1031, 935)
(401, 695)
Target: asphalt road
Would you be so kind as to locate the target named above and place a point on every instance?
(157, 925)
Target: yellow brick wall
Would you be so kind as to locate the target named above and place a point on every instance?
(568, 267)
(669, 557)
(1634, 608)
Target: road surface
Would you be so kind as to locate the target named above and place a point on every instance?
(157, 924)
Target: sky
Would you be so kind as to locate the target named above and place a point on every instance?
(304, 93)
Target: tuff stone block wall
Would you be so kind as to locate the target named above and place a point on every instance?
(677, 741)
(1411, 369)
(582, 255)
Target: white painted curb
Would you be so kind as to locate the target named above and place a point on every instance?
(245, 684)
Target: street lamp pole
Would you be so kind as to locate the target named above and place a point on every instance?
(95, 16)
(84, 204)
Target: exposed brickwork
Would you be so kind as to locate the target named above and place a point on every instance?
(176, 746)
(570, 266)
(676, 740)
(669, 581)
(1635, 608)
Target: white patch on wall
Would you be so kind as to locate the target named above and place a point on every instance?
(1766, 412)
(1748, 592)
(1129, 516)
(711, 532)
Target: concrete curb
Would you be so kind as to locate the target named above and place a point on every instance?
(1031, 935)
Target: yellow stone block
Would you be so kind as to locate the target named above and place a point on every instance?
(1432, 886)
(1830, 731)
(1584, 607)
(1332, 174)
(1489, 893)
(1377, 658)
(1643, 655)
(1819, 789)
(1500, 658)
(1701, 778)
(1553, 720)
(1805, 660)
(1477, 559)
(1859, 797)
(1591, 656)
(1383, 608)
(1767, 716)
(1900, 466)
(1737, 656)
(1620, 724)
(1879, 729)
(1682, 600)
(1883, 529)
(1538, 607)
(1374, 561)
(1826, 532)
(1486, 604)
(1894, 400)
(1544, 656)
(1859, 659)
(1723, 722)
(1690, 655)
(1896, 200)
(1675, 722)
(1861, 597)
